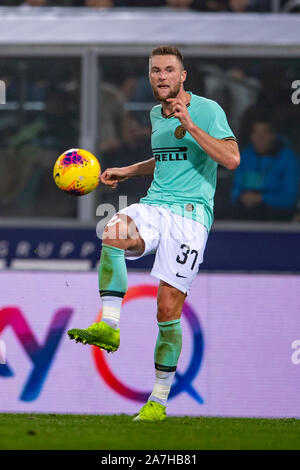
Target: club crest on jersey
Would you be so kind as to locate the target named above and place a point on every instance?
(180, 132)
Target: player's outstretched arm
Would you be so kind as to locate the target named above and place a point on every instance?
(112, 176)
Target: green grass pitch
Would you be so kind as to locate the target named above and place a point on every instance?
(86, 432)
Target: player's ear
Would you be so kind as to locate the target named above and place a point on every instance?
(183, 76)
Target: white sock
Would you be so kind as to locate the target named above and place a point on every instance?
(111, 310)
(162, 387)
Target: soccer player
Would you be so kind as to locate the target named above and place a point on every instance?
(190, 137)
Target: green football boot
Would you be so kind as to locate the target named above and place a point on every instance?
(152, 412)
(99, 334)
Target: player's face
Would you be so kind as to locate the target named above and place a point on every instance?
(166, 76)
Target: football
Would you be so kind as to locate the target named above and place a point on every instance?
(77, 172)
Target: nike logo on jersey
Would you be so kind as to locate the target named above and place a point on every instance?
(179, 275)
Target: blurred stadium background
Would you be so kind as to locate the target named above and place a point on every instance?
(75, 74)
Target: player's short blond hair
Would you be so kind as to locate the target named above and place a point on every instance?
(167, 50)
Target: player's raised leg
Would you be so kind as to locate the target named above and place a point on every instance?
(167, 351)
(120, 235)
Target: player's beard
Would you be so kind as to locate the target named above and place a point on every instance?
(172, 94)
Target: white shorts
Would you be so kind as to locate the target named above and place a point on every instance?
(178, 242)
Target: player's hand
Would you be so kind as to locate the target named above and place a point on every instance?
(181, 112)
(112, 176)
